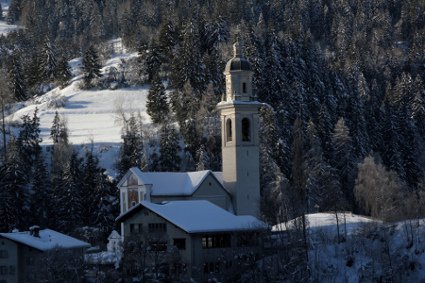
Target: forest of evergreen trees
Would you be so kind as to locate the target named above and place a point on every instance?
(343, 80)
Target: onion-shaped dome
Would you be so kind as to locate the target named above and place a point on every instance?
(238, 62)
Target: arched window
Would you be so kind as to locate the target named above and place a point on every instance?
(246, 131)
(229, 130)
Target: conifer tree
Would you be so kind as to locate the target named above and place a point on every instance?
(29, 141)
(151, 59)
(91, 66)
(169, 159)
(203, 159)
(59, 131)
(157, 105)
(16, 79)
(41, 202)
(68, 195)
(49, 63)
(15, 10)
(132, 151)
(343, 158)
(34, 73)
(63, 72)
(12, 193)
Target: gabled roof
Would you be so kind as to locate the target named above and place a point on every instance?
(48, 240)
(198, 216)
(172, 183)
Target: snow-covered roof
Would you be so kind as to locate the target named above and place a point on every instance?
(114, 235)
(199, 216)
(47, 240)
(172, 183)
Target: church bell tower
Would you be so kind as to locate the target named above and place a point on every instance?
(240, 140)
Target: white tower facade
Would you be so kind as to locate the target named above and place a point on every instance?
(240, 141)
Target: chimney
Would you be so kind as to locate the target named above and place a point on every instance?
(35, 231)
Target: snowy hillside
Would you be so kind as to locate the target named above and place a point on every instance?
(369, 250)
(92, 115)
(4, 27)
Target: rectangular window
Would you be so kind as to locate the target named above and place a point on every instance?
(216, 241)
(244, 87)
(140, 228)
(4, 254)
(180, 244)
(157, 227)
(131, 228)
(3, 270)
(12, 270)
(247, 240)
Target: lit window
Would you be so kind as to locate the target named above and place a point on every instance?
(216, 241)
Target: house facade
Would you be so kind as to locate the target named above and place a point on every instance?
(205, 237)
(23, 254)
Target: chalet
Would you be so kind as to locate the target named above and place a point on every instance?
(22, 254)
(201, 231)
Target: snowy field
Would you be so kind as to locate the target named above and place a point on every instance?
(91, 115)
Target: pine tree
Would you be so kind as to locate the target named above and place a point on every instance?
(59, 131)
(41, 202)
(169, 159)
(151, 59)
(88, 189)
(15, 10)
(343, 158)
(49, 63)
(63, 72)
(188, 66)
(91, 66)
(12, 193)
(132, 151)
(203, 159)
(29, 141)
(34, 73)
(68, 195)
(16, 80)
(157, 105)
(322, 184)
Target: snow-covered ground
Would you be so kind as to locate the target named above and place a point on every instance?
(5, 28)
(91, 115)
(370, 251)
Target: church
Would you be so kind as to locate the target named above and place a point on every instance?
(205, 214)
